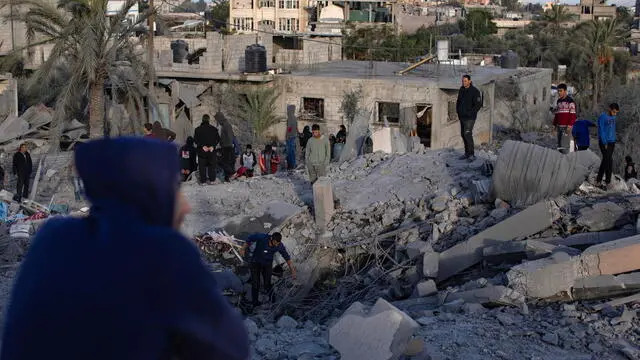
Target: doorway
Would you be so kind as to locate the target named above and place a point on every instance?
(424, 120)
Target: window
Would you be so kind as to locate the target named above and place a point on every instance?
(451, 111)
(267, 3)
(269, 23)
(243, 23)
(544, 94)
(288, 4)
(288, 24)
(390, 111)
(313, 108)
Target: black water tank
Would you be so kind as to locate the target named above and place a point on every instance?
(180, 50)
(255, 59)
(509, 60)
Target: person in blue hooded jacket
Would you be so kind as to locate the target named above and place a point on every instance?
(607, 142)
(122, 283)
(581, 134)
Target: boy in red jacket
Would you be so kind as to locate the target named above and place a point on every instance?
(565, 117)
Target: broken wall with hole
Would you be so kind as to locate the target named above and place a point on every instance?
(394, 99)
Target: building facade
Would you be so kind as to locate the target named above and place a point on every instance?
(284, 16)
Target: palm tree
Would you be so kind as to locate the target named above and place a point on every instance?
(260, 109)
(96, 50)
(557, 15)
(593, 47)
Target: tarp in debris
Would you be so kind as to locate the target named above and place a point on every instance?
(526, 174)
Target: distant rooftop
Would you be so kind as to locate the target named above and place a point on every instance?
(444, 75)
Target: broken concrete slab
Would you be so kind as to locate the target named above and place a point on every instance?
(603, 216)
(37, 116)
(468, 253)
(605, 286)
(383, 334)
(515, 251)
(490, 295)
(525, 173)
(416, 248)
(557, 274)
(12, 128)
(584, 240)
(545, 277)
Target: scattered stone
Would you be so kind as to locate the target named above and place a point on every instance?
(285, 322)
(490, 295)
(551, 338)
(505, 319)
(416, 248)
(426, 288)
(501, 204)
(439, 203)
(474, 309)
(308, 348)
(515, 251)
(414, 347)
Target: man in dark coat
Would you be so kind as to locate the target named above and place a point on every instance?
(161, 133)
(122, 283)
(467, 106)
(226, 143)
(22, 168)
(188, 156)
(207, 139)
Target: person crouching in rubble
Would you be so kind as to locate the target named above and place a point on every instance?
(262, 261)
(122, 283)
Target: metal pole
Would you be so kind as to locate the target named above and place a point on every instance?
(13, 37)
(150, 59)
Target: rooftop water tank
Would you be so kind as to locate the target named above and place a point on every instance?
(255, 59)
(180, 50)
(509, 60)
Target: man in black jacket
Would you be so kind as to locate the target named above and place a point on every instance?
(226, 143)
(468, 104)
(207, 138)
(22, 167)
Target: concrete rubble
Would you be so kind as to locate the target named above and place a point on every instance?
(420, 260)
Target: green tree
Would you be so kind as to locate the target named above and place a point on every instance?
(511, 5)
(477, 23)
(259, 110)
(220, 14)
(93, 50)
(191, 7)
(592, 47)
(526, 47)
(556, 16)
(350, 105)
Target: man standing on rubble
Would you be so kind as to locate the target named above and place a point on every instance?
(228, 162)
(262, 261)
(317, 154)
(467, 106)
(607, 142)
(123, 282)
(207, 138)
(564, 118)
(22, 168)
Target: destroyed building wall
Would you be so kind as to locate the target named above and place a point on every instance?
(8, 96)
(318, 100)
(523, 100)
(314, 50)
(225, 52)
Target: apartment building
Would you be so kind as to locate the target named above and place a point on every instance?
(284, 16)
(589, 10)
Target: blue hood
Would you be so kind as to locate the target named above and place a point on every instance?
(132, 177)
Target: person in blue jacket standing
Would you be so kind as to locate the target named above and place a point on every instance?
(607, 142)
(121, 283)
(581, 134)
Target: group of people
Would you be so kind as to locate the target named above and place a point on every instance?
(567, 125)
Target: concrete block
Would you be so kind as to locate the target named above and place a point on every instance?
(490, 295)
(596, 287)
(426, 288)
(515, 251)
(430, 264)
(559, 273)
(468, 253)
(545, 277)
(323, 202)
(381, 335)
